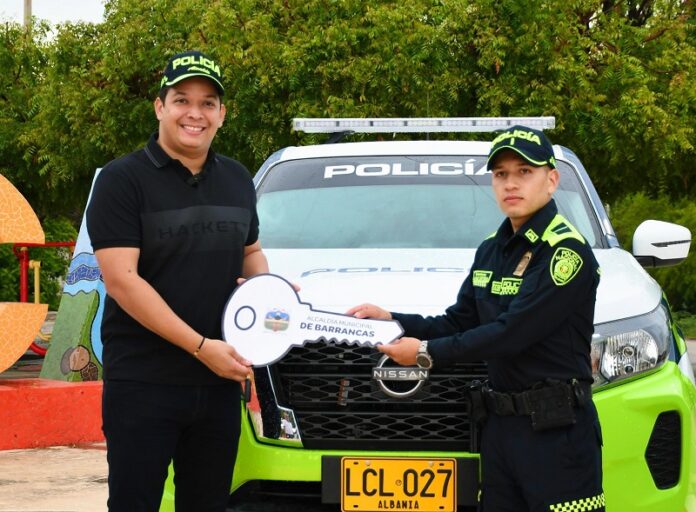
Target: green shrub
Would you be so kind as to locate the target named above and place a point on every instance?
(54, 265)
(678, 282)
(687, 322)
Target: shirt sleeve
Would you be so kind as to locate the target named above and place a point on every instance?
(546, 299)
(113, 213)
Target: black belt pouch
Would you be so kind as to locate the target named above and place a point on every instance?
(551, 407)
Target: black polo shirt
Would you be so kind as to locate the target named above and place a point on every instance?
(526, 307)
(191, 232)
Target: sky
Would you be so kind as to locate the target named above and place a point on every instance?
(55, 11)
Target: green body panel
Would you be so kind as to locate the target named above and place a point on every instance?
(627, 413)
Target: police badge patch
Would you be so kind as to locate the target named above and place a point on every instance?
(565, 265)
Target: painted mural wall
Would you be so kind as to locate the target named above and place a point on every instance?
(75, 351)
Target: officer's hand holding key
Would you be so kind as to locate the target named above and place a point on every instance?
(265, 318)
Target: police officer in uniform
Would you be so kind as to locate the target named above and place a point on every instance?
(527, 308)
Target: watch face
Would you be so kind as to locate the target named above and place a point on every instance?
(424, 361)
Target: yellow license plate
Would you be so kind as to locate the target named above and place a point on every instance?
(377, 484)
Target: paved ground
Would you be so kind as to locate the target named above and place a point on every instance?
(691, 347)
(57, 479)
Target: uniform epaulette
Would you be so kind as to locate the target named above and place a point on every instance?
(491, 235)
(560, 229)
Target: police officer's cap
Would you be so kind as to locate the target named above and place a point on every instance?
(531, 145)
(189, 64)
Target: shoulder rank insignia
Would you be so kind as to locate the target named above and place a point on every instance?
(565, 265)
(531, 235)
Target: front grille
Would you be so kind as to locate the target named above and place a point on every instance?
(338, 405)
(663, 453)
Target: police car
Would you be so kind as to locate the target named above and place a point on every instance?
(397, 223)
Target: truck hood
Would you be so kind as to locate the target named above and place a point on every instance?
(426, 281)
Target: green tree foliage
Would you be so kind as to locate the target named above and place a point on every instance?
(678, 282)
(23, 60)
(617, 74)
(67, 140)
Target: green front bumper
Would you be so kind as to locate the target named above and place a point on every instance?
(627, 413)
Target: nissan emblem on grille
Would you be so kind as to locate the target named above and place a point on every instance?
(383, 374)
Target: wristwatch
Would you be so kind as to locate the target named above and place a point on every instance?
(423, 359)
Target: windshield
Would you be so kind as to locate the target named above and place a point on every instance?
(393, 202)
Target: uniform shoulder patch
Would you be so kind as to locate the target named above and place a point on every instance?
(565, 265)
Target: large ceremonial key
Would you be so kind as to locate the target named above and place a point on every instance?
(265, 318)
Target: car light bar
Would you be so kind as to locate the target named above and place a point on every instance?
(417, 124)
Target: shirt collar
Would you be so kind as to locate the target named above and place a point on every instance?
(531, 230)
(159, 157)
(155, 153)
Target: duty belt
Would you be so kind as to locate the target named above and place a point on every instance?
(573, 394)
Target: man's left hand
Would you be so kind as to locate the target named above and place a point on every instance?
(402, 351)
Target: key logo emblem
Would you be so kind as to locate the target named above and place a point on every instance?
(264, 318)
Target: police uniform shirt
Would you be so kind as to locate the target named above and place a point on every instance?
(526, 307)
(191, 231)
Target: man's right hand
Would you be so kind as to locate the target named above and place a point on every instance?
(369, 311)
(224, 360)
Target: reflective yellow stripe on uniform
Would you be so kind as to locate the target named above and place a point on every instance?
(582, 505)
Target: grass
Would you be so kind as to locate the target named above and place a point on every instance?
(687, 322)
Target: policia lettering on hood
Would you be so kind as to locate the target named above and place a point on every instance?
(527, 310)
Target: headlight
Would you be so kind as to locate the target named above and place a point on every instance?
(629, 347)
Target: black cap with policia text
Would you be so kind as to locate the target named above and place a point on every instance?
(189, 64)
(532, 145)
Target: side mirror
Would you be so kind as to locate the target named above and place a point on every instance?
(660, 244)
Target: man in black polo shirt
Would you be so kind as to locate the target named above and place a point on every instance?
(527, 308)
(174, 227)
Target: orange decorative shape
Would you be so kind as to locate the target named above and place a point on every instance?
(19, 324)
(18, 222)
(40, 412)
